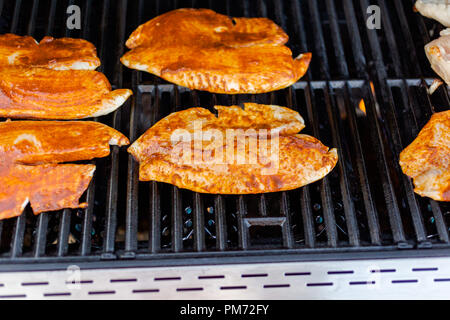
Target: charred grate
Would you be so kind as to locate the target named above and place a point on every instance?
(361, 95)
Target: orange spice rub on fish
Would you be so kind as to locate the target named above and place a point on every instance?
(39, 93)
(201, 49)
(264, 155)
(57, 54)
(427, 158)
(31, 153)
(45, 187)
(39, 142)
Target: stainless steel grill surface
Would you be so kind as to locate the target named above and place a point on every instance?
(364, 209)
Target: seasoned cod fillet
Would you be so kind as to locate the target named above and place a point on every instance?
(438, 53)
(32, 154)
(438, 10)
(39, 93)
(51, 53)
(46, 187)
(265, 154)
(38, 142)
(427, 158)
(201, 49)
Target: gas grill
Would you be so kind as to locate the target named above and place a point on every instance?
(360, 232)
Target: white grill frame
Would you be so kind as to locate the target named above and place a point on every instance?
(169, 281)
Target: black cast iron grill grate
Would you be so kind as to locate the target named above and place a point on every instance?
(365, 207)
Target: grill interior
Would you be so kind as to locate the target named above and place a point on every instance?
(365, 205)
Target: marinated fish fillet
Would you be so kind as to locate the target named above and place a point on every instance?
(262, 153)
(38, 142)
(427, 158)
(438, 53)
(38, 93)
(57, 54)
(30, 157)
(201, 49)
(438, 10)
(45, 187)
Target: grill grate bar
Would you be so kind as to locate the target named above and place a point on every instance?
(288, 240)
(51, 18)
(300, 27)
(337, 40)
(86, 19)
(349, 210)
(221, 223)
(370, 207)
(392, 43)
(131, 220)
(242, 225)
(262, 8)
(15, 19)
(64, 229)
(319, 41)
(219, 209)
(155, 205)
(131, 210)
(103, 29)
(393, 211)
(441, 226)
(18, 235)
(121, 38)
(408, 38)
(32, 22)
(177, 214)
(111, 200)
(199, 225)
(395, 218)
(155, 218)
(308, 223)
(325, 192)
(262, 206)
(375, 46)
(41, 235)
(305, 201)
(355, 39)
(327, 202)
(177, 220)
(279, 17)
(86, 234)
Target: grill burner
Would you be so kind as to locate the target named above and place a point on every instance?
(365, 206)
